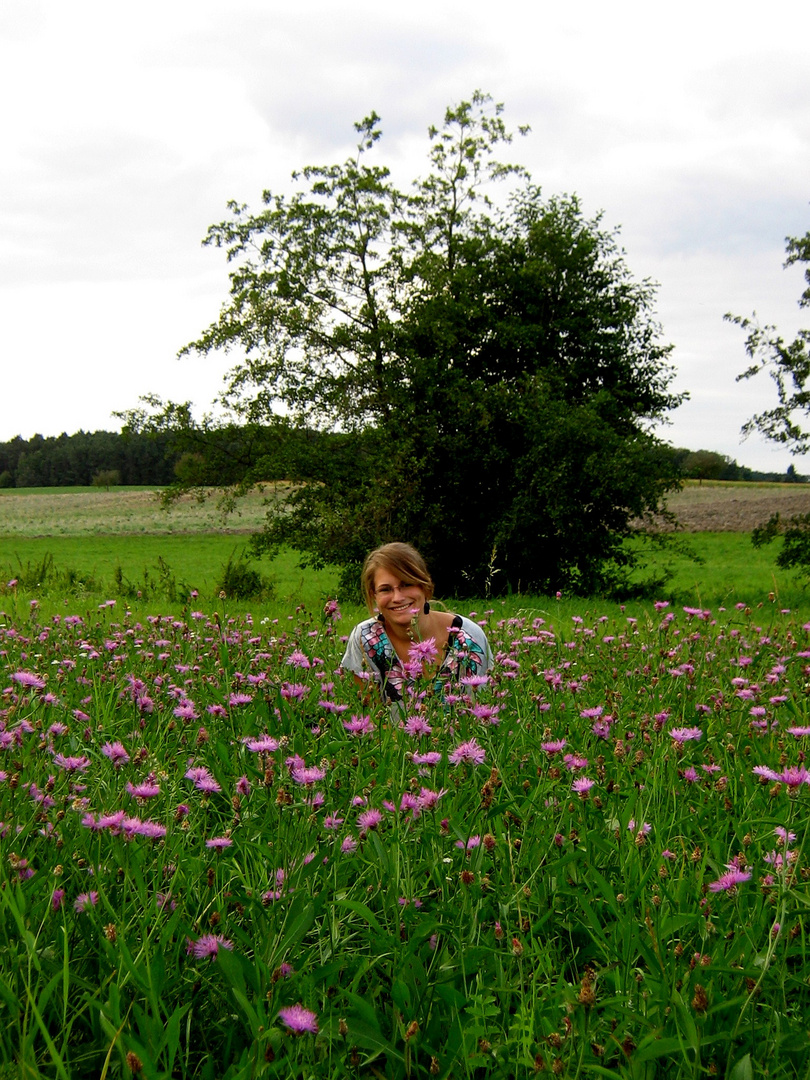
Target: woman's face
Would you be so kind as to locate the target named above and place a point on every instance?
(397, 600)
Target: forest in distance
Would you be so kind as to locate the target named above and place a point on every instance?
(110, 458)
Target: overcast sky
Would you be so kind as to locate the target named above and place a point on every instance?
(127, 127)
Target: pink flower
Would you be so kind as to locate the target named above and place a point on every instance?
(468, 752)
(298, 1020)
(417, 726)
(431, 757)
(146, 790)
(116, 753)
(293, 691)
(29, 679)
(553, 747)
(686, 734)
(359, 725)
(298, 659)
(423, 651)
(219, 842)
(71, 764)
(369, 819)
(85, 900)
(582, 785)
(307, 775)
(730, 880)
(264, 744)
(207, 946)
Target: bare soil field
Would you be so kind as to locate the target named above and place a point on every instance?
(718, 506)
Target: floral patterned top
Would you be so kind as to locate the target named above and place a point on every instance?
(369, 649)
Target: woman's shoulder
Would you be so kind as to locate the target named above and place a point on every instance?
(473, 632)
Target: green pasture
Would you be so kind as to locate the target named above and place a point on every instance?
(722, 569)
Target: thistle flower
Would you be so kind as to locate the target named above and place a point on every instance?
(299, 1020)
(686, 734)
(417, 726)
(730, 880)
(263, 744)
(369, 819)
(207, 946)
(29, 680)
(582, 785)
(307, 775)
(468, 752)
(116, 753)
(146, 790)
(71, 764)
(359, 725)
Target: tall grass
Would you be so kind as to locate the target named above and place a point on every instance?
(595, 866)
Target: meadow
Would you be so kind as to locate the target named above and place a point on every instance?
(223, 859)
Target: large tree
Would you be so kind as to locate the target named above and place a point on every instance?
(490, 374)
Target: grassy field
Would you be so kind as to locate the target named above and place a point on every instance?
(94, 545)
(221, 862)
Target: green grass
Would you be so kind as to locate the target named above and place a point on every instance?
(730, 570)
(85, 568)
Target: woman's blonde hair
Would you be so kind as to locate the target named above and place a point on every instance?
(400, 559)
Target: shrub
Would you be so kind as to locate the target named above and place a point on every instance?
(238, 580)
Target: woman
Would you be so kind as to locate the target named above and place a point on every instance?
(407, 638)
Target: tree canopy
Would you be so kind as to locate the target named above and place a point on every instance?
(787, 362)
(489, 372)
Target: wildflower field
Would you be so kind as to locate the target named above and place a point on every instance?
(219, 861)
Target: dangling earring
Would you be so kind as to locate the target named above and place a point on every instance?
(380, 618)
(426, 608)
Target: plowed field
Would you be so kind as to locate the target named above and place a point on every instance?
(734, 507)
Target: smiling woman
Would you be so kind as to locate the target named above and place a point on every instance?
(407, 639)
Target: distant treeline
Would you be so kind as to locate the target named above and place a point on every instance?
(709, 465)
(80, 460)
(230, 455)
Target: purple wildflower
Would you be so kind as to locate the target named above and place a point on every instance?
(116, 752)
(686, 734)
(85, 900)
(298, 1020)
(307, 774)
(219, 842)
(263, 744)
(359, 725)
(369, 819)
(71, 764)
(582, 785)
(468, 752)
(29, 679)
(730, 880)
(207, 946)
(146, 790)
(417, 726)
